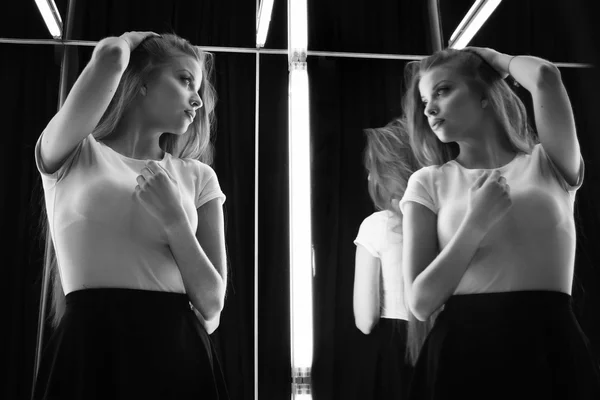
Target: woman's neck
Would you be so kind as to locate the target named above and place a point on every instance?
(486, 151)
(132, 140)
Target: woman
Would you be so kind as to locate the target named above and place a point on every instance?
(379, 306)
(136, 221)
(489, 231)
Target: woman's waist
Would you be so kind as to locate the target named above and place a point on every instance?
(135, 274)
(498, 276)
(120, 312)
(503, 307)
(122, 299)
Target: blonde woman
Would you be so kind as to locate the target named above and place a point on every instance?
(136, 222)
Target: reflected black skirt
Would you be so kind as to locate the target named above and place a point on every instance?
(129, 344)
(382, 371)
(515, 345)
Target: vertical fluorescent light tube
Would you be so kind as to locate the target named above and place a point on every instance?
(298, 25)
(300, 225)
(301, 259)
(51, 17)
(479, 12)
(263, 21)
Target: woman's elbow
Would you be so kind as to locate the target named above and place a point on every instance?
(216, 310)
(548, 75)
(211, 326)
(211, 306)
(219, 296)
(419, 307)
(421, 316)
(210, 313)
(365, 325)
(218, 305)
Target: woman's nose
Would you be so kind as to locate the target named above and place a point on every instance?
(430, 109)
(196, 102)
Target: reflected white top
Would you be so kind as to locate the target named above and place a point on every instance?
(380, 233)
(532, 247)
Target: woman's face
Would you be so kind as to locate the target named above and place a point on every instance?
(453, 110)
(172, 100)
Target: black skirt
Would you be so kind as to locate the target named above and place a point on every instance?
(129, 344)
(382, 372)
(515, 345)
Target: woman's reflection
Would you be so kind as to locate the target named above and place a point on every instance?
(379, 304)
(489, 230)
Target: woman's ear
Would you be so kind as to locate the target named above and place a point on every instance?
(484, 103)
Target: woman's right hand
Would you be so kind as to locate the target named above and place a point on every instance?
(489, 200)
(134, 38)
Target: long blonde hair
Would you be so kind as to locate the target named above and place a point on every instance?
(389, 160)
(509, 111)
(152, 54)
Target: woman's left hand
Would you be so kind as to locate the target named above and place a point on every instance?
(159, 193)
(490, 56)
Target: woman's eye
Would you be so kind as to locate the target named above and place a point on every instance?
(441, 90)
(188, 80)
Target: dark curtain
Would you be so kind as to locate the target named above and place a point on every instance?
(582, 86)
(29, 101)
(375, 26)
(273, 252)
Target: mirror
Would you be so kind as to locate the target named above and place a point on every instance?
(356, 60)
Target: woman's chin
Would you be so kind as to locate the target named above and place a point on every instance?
(442, 138)
(182, 130)
(445, 138)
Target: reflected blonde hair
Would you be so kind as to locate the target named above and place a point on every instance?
(149, 56)
(508, 109)
(389, 159)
